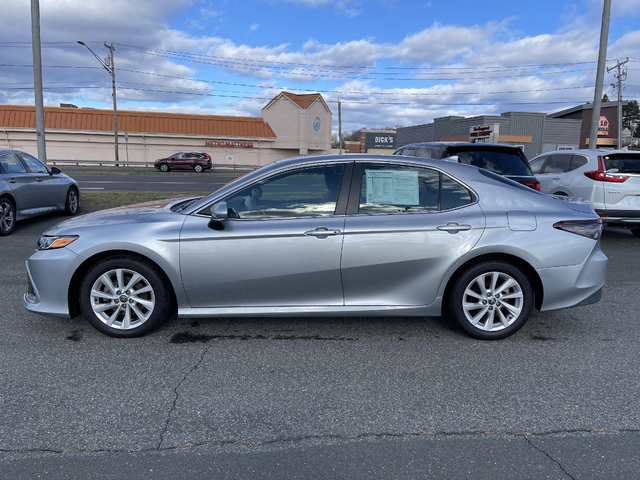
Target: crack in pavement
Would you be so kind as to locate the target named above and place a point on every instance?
(432, 434)
(550, 458)
(184, 378)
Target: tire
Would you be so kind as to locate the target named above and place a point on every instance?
(164, 167)
(198, 168)
(636, 232)
(72, 204)
(7, 216)
(104, 310)
(491, 320)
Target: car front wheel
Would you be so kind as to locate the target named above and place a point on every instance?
(123, 296)
(72, 204)
(491, 300)
(7, 216)
(164, 167)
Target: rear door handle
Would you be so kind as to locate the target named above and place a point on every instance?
(322, 232)
(39, 179)
(453, 227)
(555, 178)
(12, 180)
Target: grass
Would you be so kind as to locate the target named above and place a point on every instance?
(91, 201)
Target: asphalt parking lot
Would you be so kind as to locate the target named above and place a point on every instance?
(350, 398)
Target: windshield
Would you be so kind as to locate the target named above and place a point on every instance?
(623, 162)
(504, 162)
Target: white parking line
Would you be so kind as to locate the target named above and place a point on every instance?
(92, 188)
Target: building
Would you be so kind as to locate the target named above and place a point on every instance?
(607, 126)
(535, 133)
(371, 141)
(290, 125)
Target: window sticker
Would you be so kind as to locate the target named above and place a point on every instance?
(392, 187)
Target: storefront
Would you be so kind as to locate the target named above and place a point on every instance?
(290, 125)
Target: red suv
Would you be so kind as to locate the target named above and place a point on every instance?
(196, 161)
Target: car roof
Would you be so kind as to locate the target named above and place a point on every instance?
(592, 152)
(458, 144)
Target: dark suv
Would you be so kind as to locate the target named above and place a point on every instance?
(196, 161)
(504, 160)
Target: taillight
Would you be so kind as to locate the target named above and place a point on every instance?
(534, 185)
(601, 175)
(586, 228)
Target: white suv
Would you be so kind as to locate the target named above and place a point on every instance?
(609, 179)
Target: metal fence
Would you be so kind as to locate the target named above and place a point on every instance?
(124, 163)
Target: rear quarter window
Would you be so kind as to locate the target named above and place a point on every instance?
(503, 162)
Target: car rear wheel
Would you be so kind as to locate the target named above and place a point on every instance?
(491, 300)
(198, 168)
(636, 232)
(7, 216)
(72, 203)
(164, 167)
(122, 296)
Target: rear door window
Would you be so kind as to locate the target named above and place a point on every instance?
(623, 162)
(577, 161)
(404, 189)
(427, 152)
(11, 164)
(409, 152)
(536, 164)
(504, 162)
(558, 164)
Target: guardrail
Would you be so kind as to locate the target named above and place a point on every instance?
(124, 163)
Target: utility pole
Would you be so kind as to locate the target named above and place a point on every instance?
(37, 79)
(112, 71)
(602, 60)
(113, 94)
(340, 126)
(620, 76)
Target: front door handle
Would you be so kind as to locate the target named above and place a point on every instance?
(555, 178)
(322, 232)
(453, 227)
(39, 179)
(12, 180)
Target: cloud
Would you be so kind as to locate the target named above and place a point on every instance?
(254, 27)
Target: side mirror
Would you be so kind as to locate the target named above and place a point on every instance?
(452, 158)
(55, 171)
(219, 215)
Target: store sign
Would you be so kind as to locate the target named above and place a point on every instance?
(224, 143)
(603, 126)
(484, 133)
(379, 140)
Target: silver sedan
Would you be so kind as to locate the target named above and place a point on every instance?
(350, 235)
(29, 188)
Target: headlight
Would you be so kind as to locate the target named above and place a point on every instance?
(51, 242)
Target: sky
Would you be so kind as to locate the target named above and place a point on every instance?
(390, 62)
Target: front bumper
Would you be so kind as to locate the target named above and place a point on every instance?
(49, 273)
(574, 285)
(620, 218)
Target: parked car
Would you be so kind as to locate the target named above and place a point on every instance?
(504, 160)
(196, 161)
(610, 180)
(29, 188)
(328, 235)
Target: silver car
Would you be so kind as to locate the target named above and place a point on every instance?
(29, 188)
(350, 235)
(610, 180)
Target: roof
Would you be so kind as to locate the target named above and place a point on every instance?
(142, 122)
(585, 106)
(304, 101)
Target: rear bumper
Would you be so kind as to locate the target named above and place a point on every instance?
(620, 218)
(574, 285)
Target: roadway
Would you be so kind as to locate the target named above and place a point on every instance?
(337, 398)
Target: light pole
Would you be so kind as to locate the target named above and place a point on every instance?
(112, 71)
(37, 80)
(602, 61)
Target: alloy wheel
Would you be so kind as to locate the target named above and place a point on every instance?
(73, 201)
(198, 168)
(164, 167)
(7, 216)
(492, 301)
(122, 299)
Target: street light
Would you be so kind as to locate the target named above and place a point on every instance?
(112, 71)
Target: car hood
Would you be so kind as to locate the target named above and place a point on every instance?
(142, 212)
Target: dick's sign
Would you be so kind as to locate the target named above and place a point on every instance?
(379, 140)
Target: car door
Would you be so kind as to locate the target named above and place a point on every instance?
(177, 161)
(52, 191)
(23, 184)
(555, 177)
(280, 247)
(403, 232)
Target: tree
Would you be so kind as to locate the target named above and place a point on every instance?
(630, 114)
(637, 132)
(352, 136)
(605, 98)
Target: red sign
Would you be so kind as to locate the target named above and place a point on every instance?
(224, 143)
(603, 126)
